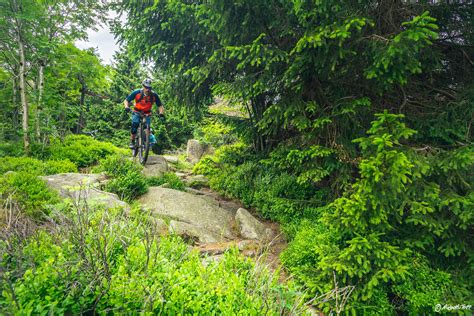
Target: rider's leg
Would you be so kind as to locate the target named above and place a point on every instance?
(135, 124)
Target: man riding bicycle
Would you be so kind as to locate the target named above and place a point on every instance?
(144, 99)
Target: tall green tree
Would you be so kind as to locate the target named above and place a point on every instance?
(33, 29)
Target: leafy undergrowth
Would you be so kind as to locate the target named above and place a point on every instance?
(397, 238)
(173, 181)
(83, 150)
(107, 261)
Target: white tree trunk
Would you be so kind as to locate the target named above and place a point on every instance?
(40, 100)
(24, 101)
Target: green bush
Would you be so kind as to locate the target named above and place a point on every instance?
(127, 181)
(178, 130)
(169, 177)
(28, 192)
(275, 193)
(35, 166)
(83, 150)
(211, 131)
(11, 149)
(98, 261)
(400, 233)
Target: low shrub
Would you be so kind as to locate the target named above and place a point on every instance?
(83, 150)
(28, 192)
(11, 149)
(127, 181)
(169, 177)
(98, 261)
(35, 166)
(275, 193)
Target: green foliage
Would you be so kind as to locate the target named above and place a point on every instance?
(35, 166)
(425, 287)
(163, 140)
(178, 130)
(399, 57)
(82, 150)
(97, 260)
(263, 184)
(171, 178)
(28, 192)
(211, 131)
(399, 215)
(11, 149)
(127, 182)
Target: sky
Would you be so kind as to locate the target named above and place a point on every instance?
(103, 40)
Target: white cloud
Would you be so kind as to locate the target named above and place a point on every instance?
(103, 40)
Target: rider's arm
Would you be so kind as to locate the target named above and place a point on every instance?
(161, 109)
(130, 98)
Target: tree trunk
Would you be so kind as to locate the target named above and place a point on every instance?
(24, 101)
(40, 99)
(80, 123)
(15, 114)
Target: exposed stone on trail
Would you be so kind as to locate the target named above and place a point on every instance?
(181, 175)
(83, 187)
(197, 181)
(160, 226)
(195, 150)
(193, 232)
(171, 159)
(189, 208)
(250, 227)
(155, 166)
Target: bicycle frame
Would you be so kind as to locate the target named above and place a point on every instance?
(142, 144)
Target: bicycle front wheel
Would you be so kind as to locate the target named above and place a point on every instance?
(144, 144)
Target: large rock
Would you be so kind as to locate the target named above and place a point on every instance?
(194, 232)
(155, 166)
(189, 208)
(250, 227)
(194, 150)
(171, 159)
(83, 188)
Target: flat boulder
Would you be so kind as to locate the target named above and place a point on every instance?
(155, 166)
(171, 159)
(194, 233)
(83, 188)
(191, 209)
(250, 227)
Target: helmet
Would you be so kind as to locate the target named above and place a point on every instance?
(147, 83)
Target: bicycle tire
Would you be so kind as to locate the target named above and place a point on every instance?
(144, 144)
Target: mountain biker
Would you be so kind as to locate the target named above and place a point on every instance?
(144, 99)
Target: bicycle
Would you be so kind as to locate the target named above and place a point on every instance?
(142, 140)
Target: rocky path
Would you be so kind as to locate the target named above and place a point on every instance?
(209, 222)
